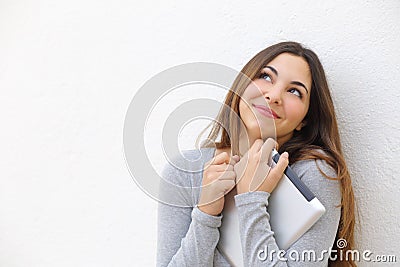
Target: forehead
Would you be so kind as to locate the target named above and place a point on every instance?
(292, 68)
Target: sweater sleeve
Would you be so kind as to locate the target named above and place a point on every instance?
(258, 243)
(186, 235)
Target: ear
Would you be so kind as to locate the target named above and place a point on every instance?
(301, 125)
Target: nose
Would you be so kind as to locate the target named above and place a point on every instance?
(273, 95)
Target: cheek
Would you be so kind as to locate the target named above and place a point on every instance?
(295, 111)
(247, 115)
(252, 91)
(244, 110)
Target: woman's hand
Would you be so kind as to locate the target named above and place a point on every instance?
(218, 179)
(253, 171)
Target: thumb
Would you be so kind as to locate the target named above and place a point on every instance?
(280, 167)
(236, 158)
(283, 162)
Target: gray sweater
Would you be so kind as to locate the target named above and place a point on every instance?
(189, 237)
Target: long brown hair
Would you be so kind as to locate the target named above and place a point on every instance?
(319, 133)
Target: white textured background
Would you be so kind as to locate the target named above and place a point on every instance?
(69, 69)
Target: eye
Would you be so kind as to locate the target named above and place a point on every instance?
(266, 77)
(295, 92)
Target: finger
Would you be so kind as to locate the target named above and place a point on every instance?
(226, 158)
(223, 157)
(235, 159)
(280, 167)
(228, 175)
(222, 167)
(267, 149)
(256, 146)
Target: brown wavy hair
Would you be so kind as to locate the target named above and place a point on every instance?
(319, 133)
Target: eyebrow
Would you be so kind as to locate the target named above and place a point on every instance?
(292, 82)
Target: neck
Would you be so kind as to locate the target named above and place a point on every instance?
(283, 139)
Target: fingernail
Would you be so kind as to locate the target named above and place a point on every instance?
(285, 155)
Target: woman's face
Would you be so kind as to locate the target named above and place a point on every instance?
(284, 84)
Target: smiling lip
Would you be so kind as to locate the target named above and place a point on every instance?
(266, 111)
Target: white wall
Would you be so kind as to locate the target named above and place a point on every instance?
(69, 69)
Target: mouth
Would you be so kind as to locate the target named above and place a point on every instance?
(267, 112)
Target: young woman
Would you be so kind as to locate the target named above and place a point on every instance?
(288, 86)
